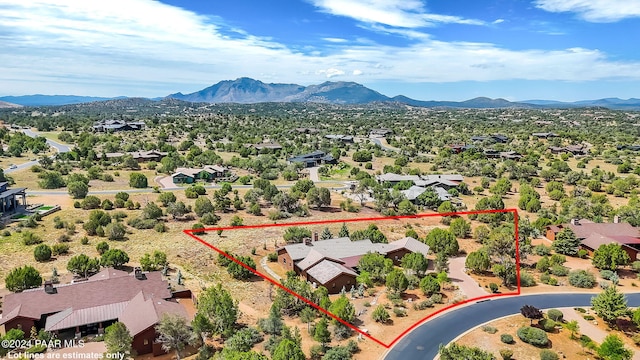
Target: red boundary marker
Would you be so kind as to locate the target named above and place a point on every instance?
(190, 232)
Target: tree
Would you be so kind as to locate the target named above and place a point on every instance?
(82, 265)
(173, 333)
(429, 285)
(326, 234)
(177, 209)
(137, 180)
(610, 304)
(566, 242)
(380, 314)
(42, 252)
(51, 180)
(307, 315)
(218, 307)
(240, 272)
(202, 206)
(501, 187)
(343, 309)
(406, 207)
(101, 247)
(344, 231)
(531, 312)
(23, 278)
(118, 340)
(362, 156)
(303, 186)
(295, 234)
(153, 262)
(77, 189)
(151, 211)
(288, 350)
(319, 197)
(115, 231)
(114, 258)
(610, 257)
(321, 333)
(478, 261)
(460, 228)
(612, 348)
(397, 281)
(442, 241)
(416, 262)
(166, 198)
(573, 327)
(376, 265)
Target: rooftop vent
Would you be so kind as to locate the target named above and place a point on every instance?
(48, 287)
(138, 273)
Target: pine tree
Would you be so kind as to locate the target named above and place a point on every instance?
(344, 231)
(610, 304)
(326, 234)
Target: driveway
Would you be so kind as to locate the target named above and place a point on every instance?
(424, 341)
(465, 282)
(166, 182)
(313, 174)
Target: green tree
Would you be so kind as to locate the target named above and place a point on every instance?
(101, 247)
(319, 197)
(308, 315)
(397, 281)
(566, 242)
(82, 265)
(610, 304)
(42, 253)
(406, 207)
(460, 228)
(442, 241)
(610, 257)
(166, 198)
(295, 234)
(137, 180)
(573, 327)
(118, 340)
(23, 278)
(478, 261)
(115, 231)
(376, 265)
(51, 180)
(501, 187)
(344, 231)
(173, 333)
(429, 285)
(114, 258)
(202, 206)
(152, 211)
(343, 309)
(240, 272)
(326, 234)
(288, 350)
(77, 189)
(219, 308)
(321, 333)
(458, 352)
(415, 262)
(612, 348)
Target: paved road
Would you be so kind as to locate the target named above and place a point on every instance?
(424, 341)
(56, 145)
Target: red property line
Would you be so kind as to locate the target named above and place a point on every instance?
(191, 232)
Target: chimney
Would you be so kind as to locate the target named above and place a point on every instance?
(575, 222)
(138, 273)
(307, 241)
(48, 287)
(616, 219)
(315, 236)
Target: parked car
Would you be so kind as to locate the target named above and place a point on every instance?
(13, 166)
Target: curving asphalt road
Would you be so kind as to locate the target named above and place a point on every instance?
(424, 341)
(61, 148)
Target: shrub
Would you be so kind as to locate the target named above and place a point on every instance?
(527, 279)
(589, 317)
(140, 223)
(64, 238)
(60, 249)
(506, 354)
(533, 336)
(29, 238)
(399, 312)
(582, 279)
(84, 240)
(42, 252)
(436, 298)
(272, 257)
(493, 287)
(606, 274)
(582, 253)
(546, 354)
(547, 325)
(542, 250)
(160, 227)
(635, 266)
(506, 338)
(380, 315)
(555, 315)
(489, 329)
(423, 305)
(559, 270)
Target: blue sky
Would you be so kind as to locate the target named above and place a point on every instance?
(428, 50)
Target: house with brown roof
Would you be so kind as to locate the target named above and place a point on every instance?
(139, 156)
(207, 173)
(138, 300)
(333, 263)
(593, 235)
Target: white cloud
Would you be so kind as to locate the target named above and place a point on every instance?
(403, 14)
(335, 40)
(498, 21)
(153, 49)
(594, 10)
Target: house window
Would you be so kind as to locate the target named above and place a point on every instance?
(284, 261)
(334, 285)
(146, 342)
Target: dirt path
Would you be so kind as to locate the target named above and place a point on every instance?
(465, 282)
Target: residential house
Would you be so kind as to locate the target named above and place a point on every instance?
(382, 132)
(573, 149)
(458, 148)
(340, 137)
(139, 156)
(510, 155)
(138, 300)
(312, 159)
(595, 234)
(11, 200)
(333, 263)
(267, 145)
(304, 130)
(544, 135)
(207, 173)
(498, 138)
(118, 125)
(629, 147)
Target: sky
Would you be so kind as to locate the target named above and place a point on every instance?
(564, 50)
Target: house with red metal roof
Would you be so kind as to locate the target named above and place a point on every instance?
(138, 300)
(593, 235)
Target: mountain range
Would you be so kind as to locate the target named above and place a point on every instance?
(246, 91)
